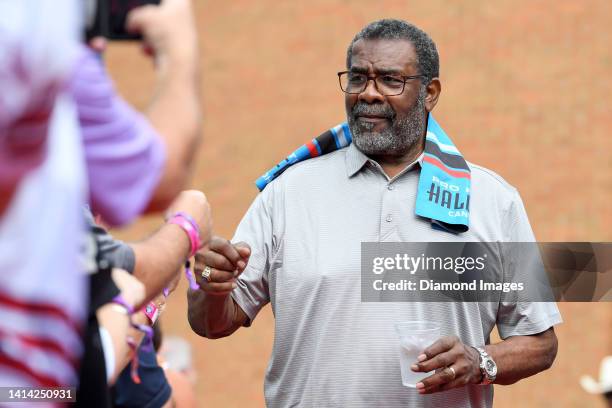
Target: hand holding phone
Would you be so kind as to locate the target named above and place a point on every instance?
(107, 18)
(168, 30)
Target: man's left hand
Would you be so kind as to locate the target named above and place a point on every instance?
(445, 353)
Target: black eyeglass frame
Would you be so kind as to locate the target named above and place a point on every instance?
(405, 78)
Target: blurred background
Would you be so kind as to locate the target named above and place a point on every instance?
(525, 88)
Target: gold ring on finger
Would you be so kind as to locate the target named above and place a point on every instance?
(206, 273)
(453, 373)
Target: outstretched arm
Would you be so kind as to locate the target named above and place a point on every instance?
(159, 257)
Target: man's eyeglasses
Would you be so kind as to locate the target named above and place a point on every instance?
(387, 85)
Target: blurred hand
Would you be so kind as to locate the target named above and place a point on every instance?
(195, 204)
(168, 29)
(132, 290)
(226, 260)
(447, 352)
(98, 44)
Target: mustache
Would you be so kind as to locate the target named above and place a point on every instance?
(362, 108)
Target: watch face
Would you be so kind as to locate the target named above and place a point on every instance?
(491, 368)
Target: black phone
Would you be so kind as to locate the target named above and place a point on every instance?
(106, 18)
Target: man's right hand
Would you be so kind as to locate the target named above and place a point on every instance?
(226, 262)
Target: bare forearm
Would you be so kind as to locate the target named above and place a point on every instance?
(175, 114)
(116, 324)
(212, 316)
(123, 358)
(522, 356)
(159, 258)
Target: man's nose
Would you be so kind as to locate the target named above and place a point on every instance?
(371, 94)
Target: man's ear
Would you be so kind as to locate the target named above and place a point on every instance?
(433, 92)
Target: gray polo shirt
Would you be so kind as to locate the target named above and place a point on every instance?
(330, 349)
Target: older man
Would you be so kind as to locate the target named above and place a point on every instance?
(301, 250)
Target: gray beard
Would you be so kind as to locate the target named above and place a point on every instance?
(396, 140)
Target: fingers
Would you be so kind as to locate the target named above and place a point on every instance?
(439, 361)
(445, 353)
(224, 247)
(225, 262)
(222, 254)
(443, 380)
(217, 288)
(137, 18)
(440, 346)
(441, 376)
(98, 44)
(244, 250)
(218, 282)
(218, 276)
(215, 260)
(167, 28)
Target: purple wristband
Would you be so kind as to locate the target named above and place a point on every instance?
(121, 301)
(193, 285)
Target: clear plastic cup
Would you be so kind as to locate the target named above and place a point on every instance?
(414, 337)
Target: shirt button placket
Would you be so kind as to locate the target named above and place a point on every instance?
(389, 217)
(386, 213)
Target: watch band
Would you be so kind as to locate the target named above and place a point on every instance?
(485, 358)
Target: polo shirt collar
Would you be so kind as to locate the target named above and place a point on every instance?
(355, 160)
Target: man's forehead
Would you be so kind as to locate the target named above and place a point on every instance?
(386, 54)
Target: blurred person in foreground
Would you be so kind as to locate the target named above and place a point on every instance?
(65, 135)
(134, 163)
(299, 248)
(42, 189)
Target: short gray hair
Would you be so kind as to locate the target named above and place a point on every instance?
(428, 62)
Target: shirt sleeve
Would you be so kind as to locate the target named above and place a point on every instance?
(520, 318)
(252, 291)
(124, 154)
(120, 254)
